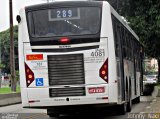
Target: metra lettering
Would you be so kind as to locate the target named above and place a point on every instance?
(59, 99)
(75, 99)
(33, 57)
(64, 46)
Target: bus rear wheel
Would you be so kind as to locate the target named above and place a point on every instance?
(137, 100)
(122, 109)
(129, 103)
(53, 115)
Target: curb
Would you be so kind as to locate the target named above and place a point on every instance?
(156, 92)
(9, 99)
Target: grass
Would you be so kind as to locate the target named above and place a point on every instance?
(7, 90)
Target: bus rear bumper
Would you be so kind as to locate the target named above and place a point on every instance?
(73, 107)
(41, 99)
(65, 101)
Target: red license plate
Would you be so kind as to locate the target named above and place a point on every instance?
(96, 90)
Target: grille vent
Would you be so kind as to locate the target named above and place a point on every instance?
(65, 92)
(66, 69)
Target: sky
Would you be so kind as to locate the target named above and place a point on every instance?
(17, 5)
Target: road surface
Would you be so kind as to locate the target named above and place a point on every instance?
(18, 112)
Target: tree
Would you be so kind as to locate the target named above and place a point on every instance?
(1, 67)
(144, 18)
(5, 49)
(146, 22)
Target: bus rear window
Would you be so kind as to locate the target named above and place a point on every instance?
(64, 21)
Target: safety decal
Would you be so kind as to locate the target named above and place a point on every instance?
(39, 82)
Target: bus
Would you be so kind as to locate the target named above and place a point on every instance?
(75, 55)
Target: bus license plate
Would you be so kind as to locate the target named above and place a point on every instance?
(96, 90)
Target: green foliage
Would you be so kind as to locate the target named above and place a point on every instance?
(7, 90)
(17, 75)
(5, 49)
(2, 66)
(146, 22)
(144, 18)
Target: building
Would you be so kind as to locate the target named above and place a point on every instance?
(151, 65)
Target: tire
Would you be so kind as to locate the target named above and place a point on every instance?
(122, 109)
(137, 100)
(53, 115)
(129, 103)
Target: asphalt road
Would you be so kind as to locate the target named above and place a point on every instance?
(17, 112)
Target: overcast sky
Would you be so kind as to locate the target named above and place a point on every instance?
(17, 4)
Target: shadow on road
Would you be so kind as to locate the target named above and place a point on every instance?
(98, 114)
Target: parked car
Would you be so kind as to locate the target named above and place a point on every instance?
(150, 79)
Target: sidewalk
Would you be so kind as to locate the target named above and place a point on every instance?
(152, 111)
(154, 106)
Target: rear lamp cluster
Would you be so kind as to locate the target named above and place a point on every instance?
(29, 75)
(103, 72)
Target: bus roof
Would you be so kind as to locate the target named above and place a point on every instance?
(66, 3)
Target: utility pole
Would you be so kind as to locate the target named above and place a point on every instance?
(12, 59)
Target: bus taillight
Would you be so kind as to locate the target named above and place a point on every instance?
(103, 72)
(64, 40)
(29, 75)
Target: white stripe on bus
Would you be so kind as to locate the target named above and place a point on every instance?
(70, 46)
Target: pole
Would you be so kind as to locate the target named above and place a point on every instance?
(12, 59)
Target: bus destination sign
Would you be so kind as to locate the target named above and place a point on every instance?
(63, 14)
